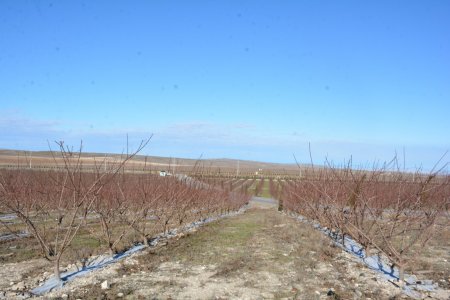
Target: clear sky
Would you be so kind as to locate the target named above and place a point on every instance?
(238, 79)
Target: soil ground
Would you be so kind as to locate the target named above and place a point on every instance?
(261, 254)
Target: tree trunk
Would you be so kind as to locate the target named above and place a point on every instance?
(401, 273)
(145, 240)
(111, 250)
(280, 205)
(56, 268)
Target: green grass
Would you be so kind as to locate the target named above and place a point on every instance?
(85, 241)
(16, 253)
(266, 190)
(207, 245)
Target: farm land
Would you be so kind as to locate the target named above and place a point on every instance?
(219, 228)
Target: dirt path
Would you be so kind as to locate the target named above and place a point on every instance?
(261, 254)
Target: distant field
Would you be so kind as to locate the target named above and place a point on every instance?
(222, 167)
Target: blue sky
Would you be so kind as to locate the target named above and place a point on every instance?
(239, 79)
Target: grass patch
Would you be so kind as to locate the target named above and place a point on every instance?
(85, 241)
(211, 243)
(19, 250)
(266, 190)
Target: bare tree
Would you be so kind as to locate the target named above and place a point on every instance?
(54, 207)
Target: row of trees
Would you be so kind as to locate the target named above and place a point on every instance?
(241, 185)
(390, 212)
(109, 203)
